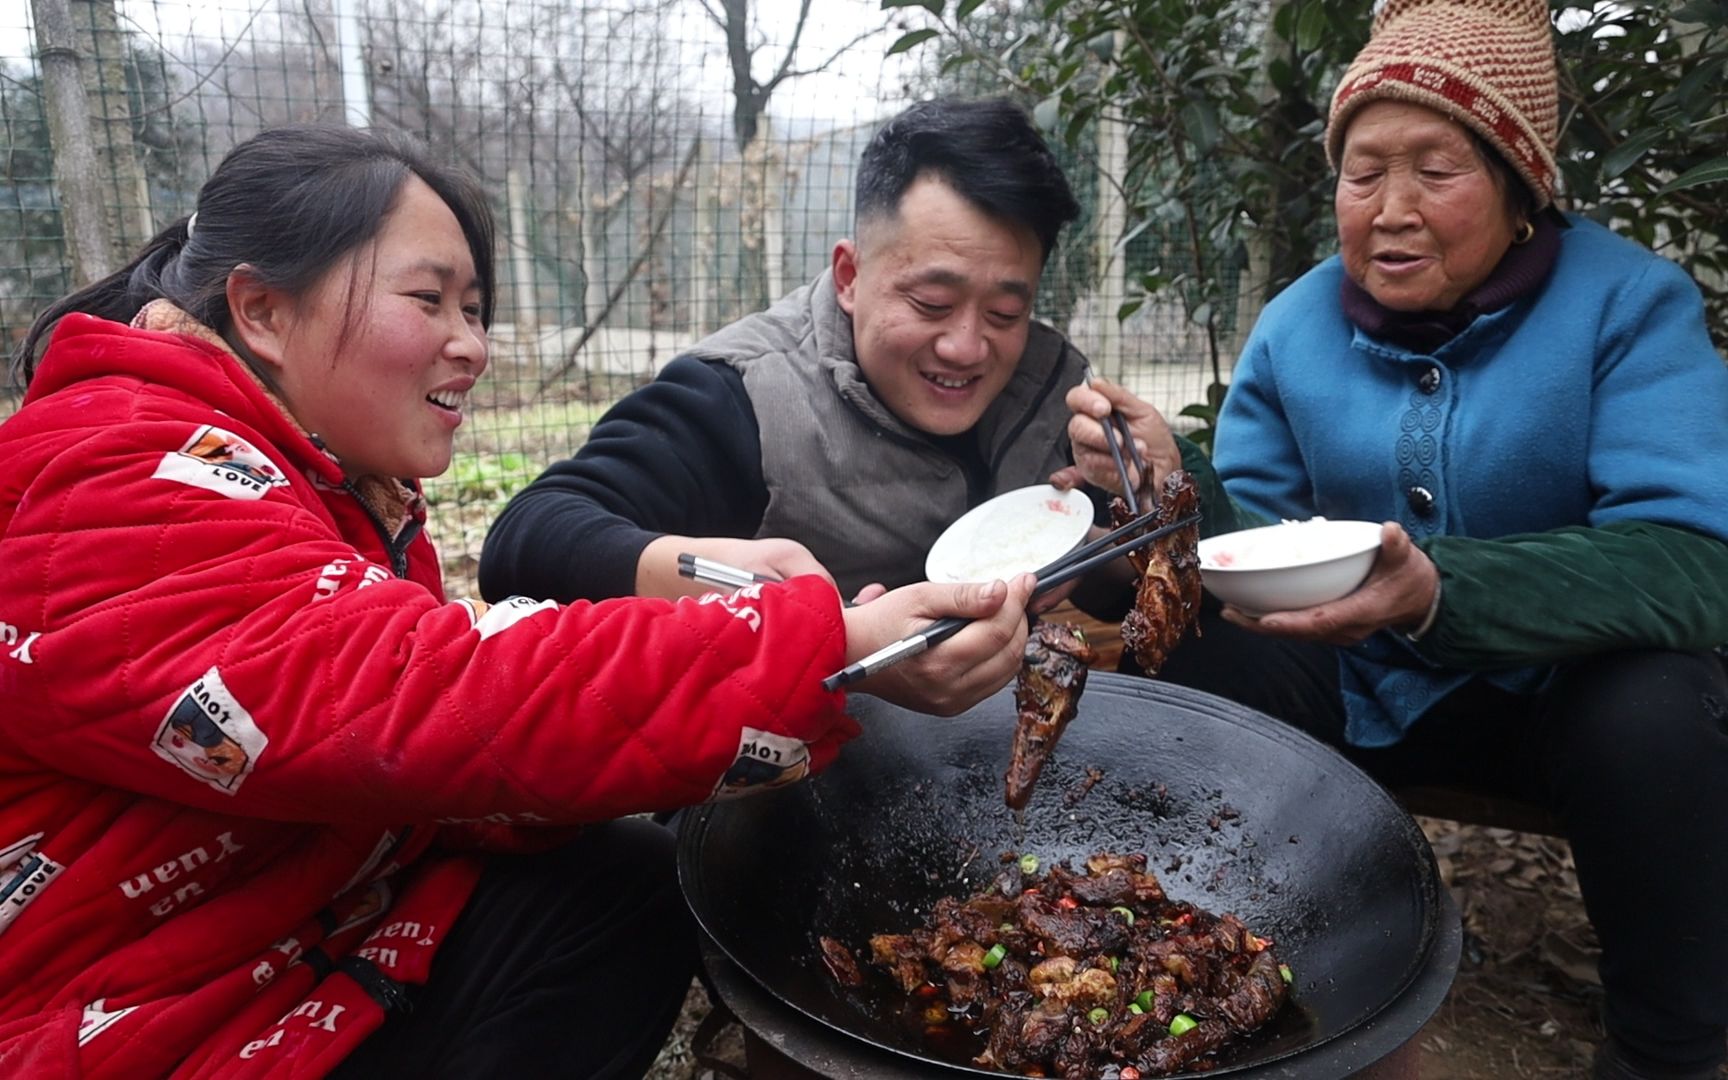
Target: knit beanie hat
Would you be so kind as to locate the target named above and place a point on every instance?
(1488, 64)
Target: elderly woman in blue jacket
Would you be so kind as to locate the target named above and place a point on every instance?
(1533, 407)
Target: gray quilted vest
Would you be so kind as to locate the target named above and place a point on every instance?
(846, 478)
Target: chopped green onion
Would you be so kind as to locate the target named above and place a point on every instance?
(1125, 913)
(1144, 1000)
(1284, 973)
(995, 955)
(1182, 1024)
(1098, 1016)
(1115, 965)
(1134, 1007)
(1028, 864)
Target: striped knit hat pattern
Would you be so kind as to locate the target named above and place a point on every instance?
(1488, 64)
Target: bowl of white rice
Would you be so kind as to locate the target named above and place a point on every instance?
(1291, 565)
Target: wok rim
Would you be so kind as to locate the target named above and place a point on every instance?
(696, 822)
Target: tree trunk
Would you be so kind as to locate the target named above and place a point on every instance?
(82, 218)
(118, 171)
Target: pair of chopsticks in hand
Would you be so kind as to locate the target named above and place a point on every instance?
(718, 574)
(1113, 422)
(1082, 560)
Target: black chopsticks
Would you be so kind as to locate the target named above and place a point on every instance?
(1081, 560)
(1108, 420)
(1088, 557)
(1112, 421)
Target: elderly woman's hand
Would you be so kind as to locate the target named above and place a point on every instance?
(1092, 402)
(956, 674)
(1397, 596)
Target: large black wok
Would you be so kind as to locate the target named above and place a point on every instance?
(1257, 819)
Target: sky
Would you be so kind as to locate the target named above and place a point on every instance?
(861, 85)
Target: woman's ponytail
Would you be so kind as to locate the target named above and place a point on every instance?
(119, 296)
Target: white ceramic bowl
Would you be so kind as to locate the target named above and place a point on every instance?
(1294, 565)
(1014, 533)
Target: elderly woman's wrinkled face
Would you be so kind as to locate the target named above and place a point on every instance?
(1422, 219)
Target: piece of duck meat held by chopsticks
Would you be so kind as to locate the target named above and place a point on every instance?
(1167, 597)
(1046, 698)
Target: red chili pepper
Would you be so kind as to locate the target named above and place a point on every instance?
(1129, 1072)
(1068, 903)
(927, 990)
(1185, 918)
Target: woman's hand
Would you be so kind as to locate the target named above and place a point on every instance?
(1396, 596)
(657, 566)
(957, 673)
(1153, 440)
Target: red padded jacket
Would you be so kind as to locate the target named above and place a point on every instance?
(246, 747)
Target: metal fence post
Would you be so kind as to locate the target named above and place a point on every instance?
(524, 290)
(356, 87)
(1111, 223)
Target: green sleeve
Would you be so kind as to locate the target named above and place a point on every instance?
(1539, 598)
(1219, 513)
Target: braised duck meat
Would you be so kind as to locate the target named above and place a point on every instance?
(1167, 598)
(1046, 698)
(1083, 973)
(840, 962)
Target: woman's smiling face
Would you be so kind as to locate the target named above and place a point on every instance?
(1422, 218)
(378, 357)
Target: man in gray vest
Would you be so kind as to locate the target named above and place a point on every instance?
(843, 429)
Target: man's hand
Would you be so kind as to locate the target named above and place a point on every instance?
(657, 568)
(1153, 440)
(958, 673)
(1397, 596)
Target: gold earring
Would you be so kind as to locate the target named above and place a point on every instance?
(1523, 233)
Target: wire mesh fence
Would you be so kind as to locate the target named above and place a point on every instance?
(658, 168)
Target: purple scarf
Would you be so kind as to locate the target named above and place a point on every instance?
(1520, 272)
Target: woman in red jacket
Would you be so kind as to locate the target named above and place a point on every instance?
(269, 804)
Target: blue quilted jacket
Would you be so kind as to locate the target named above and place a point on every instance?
(1546, 432)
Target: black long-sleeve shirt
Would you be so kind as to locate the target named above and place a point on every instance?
(681, 455)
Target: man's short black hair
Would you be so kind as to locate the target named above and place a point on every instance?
(987, 151)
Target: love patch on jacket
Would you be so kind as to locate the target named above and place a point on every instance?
(221, 461)
(210, 735)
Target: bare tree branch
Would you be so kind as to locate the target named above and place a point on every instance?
(630, 275)
(826, 64)
(792, 46)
